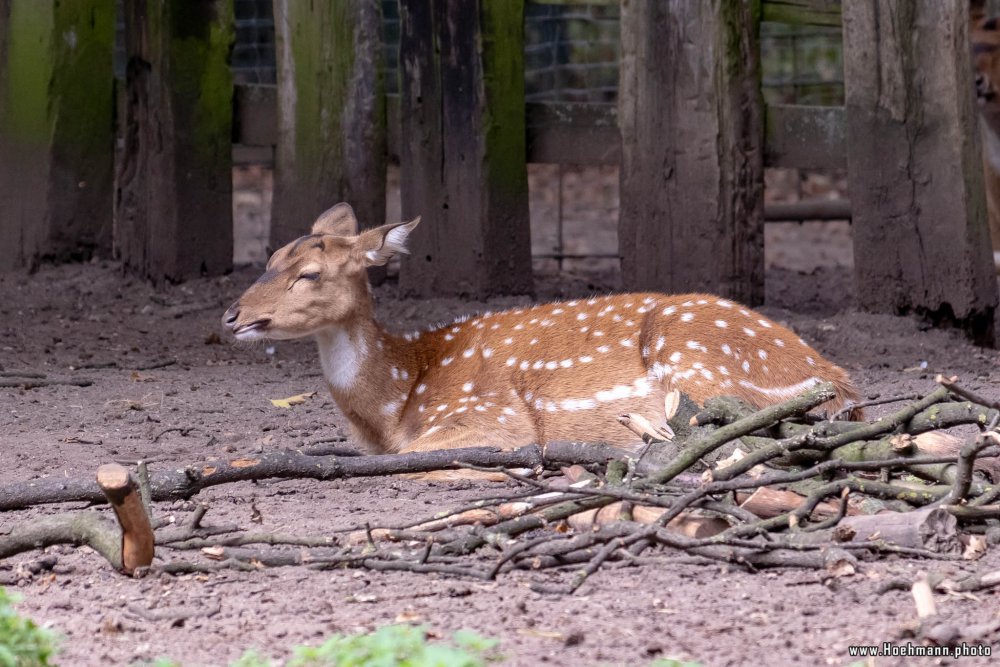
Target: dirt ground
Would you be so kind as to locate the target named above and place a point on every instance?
(157, 367)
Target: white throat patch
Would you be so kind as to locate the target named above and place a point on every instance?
(341, 356)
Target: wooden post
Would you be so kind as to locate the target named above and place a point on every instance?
(462, 151)
(56, 121)
(692, 173)
(331, 114)
(173, 196)
(921, 242)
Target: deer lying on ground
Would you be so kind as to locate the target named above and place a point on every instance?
(554, 371)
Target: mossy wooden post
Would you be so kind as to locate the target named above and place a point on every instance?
(331, 114)
(56, 120)
(173, 196)
(692, 173)
(462, 150)
(921, 242)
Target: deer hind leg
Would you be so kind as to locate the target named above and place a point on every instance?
(454, 437)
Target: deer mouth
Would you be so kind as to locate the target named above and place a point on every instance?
(253, 329)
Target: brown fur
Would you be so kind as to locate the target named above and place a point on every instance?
(555, 371)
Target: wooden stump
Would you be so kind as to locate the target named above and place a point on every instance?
(921, 242)
(692, 173)
(331, 114)
(173, 196)
(463, 147)
(56, 139)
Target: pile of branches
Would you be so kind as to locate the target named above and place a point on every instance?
(757, 488)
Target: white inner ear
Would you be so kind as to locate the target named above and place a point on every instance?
(395, 242)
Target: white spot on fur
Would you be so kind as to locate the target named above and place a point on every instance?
(764, 323)
(726, 349)
(627, 343)
(660, 370)
(524, 365)
(675, 357)
(746, 366)
(724, 303)
(394, 373)
(421, 388)
(558, 311)
(779, 342)
(508, 341)
(721, 324)
(566, 363)
(551, 365)
(467, 387)
(750, 332)
(468, 353)
(687, 317)
(538, 365)
(487, 352)
(603, 349)
(447, 360)
(810, 361)
(581, 316)
(660, 342)
(442, 407)
(670, 310)
(577, 404)
(585, 359)
(762, 354)
(511, 361)
(695, 345)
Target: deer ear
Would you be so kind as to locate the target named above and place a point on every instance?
(380, 244)
(338, 220)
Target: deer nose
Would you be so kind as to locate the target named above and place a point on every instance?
(229, 319)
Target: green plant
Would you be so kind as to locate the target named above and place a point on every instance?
(396, 646)
(22, 642)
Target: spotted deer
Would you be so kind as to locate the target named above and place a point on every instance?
(532, 374)
(984, 34)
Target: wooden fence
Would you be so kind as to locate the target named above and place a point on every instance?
(691, 133)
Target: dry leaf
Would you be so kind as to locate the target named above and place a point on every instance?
(841, 568)
(215, 553)
(408, 616)
(291, 400)
(975, 547)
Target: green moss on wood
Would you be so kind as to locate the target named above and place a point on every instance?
(24, 114)
(200, 39)
(503, 80)
(323, 51)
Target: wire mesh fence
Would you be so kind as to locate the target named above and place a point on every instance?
(571, 54)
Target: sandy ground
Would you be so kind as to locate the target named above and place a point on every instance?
(158, 367)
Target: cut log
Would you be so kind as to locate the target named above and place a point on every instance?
(934, 529)
(137, 535)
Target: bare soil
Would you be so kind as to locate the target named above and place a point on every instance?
(167, 391)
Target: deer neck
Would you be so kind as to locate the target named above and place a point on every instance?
(369, 373)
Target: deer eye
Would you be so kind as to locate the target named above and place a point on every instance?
(311, 276)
